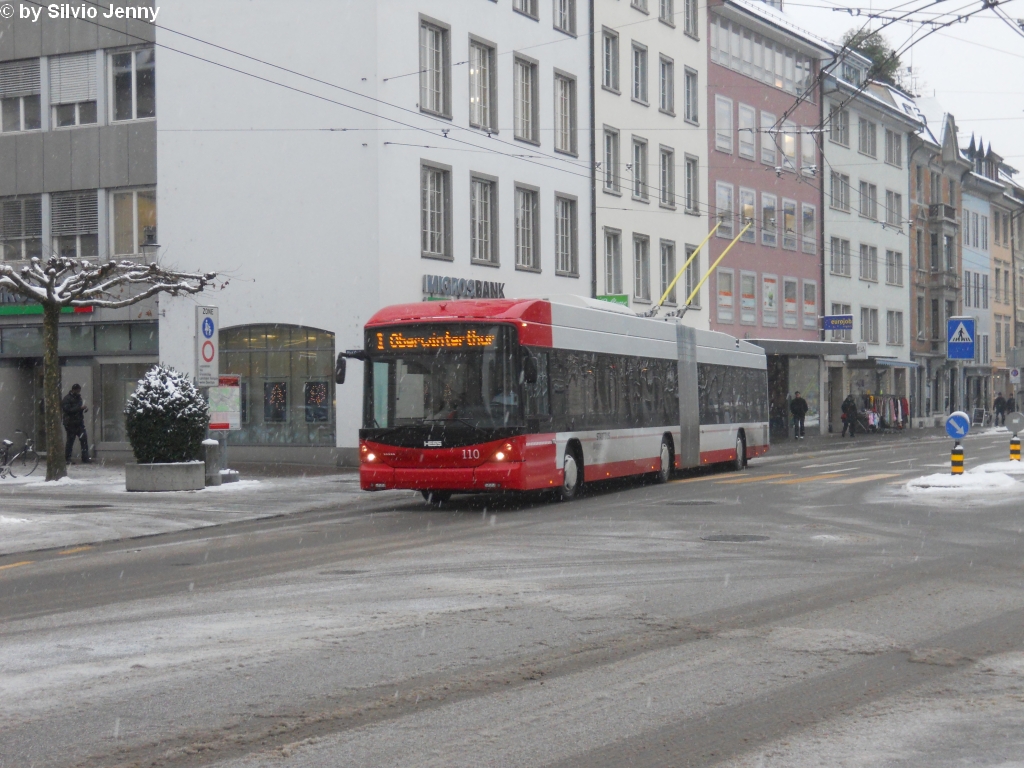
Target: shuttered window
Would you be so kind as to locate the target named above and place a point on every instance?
(74, 224)
(19, 78)
(21, 227)
(73, 78)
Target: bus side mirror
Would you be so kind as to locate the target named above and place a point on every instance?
(339, 369)
(529, 369)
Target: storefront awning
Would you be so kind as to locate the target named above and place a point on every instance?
(804, 348)
(888, 362)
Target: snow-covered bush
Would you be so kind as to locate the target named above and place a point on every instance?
(166, 418)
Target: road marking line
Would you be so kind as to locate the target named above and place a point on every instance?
(73, 550)
(15, 565)
(809, 479)
(695, 479)
(832, 464)
(753, 479)
(865, 478)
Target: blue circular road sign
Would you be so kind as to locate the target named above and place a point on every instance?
(958, 424)
(208, 328)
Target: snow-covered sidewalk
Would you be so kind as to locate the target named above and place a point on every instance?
(995, 477)
(91, 505)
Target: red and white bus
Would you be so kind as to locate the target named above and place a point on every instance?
(498, 395)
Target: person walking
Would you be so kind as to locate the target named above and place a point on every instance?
(74, 410)
(1000, 407)
(1011, 404)
(798, 407)
(849, 414)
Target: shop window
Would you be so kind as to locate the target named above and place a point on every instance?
(287, 381)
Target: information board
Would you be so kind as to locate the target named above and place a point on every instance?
(207, 347)
(226, 404)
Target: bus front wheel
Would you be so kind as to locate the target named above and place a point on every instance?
(665, 472)
(572, 477)
(741, 454)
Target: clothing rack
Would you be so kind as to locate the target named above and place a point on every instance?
(885, 412)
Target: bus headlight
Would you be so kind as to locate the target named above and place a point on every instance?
(505, 453)
(367, 455)
(499, 456)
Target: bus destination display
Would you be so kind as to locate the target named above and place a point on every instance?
(433, 339)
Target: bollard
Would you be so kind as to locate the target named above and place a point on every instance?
(956, 460)
(211, 457)
(1015, 448)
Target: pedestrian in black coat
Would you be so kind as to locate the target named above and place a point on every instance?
(73, 412)
(798, 407)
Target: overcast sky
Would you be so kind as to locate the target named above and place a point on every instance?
(976, 68)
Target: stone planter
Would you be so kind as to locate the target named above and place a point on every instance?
(183, 476)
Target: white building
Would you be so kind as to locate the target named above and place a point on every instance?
(384, 152)
(866, 227)
(650, 129)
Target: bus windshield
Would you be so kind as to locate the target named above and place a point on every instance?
(459, 376)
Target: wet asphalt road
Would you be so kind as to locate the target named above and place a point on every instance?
(724, 618)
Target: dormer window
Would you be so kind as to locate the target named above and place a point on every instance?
(851, 74)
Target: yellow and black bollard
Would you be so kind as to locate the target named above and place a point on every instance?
(1015, 448)
(956, 460)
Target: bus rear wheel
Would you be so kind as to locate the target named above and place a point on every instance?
(741, 454)
(665, 472)
(436, 498)
(572, 476)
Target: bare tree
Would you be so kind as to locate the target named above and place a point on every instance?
(61, 282)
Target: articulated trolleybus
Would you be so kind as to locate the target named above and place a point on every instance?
(482, 396)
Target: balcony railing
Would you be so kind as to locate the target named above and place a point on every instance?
(941, 212)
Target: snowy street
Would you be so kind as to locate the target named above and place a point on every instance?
(839, 606)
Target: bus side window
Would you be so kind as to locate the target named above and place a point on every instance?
(537, 397)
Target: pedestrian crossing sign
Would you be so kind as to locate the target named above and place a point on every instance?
(960, 338)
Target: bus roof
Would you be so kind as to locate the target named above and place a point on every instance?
(509, 310)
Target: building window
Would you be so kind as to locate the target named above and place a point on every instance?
(690, 17)
(668, 270)
(788, 136)
(613, 262)
(748, 215)
(984, 291)
(610, 60)
(611, 161)
(691, 96)
(869, 325)
(894, 268)
(482, 87)
(846, 335)
(667, 86)
(527, 231)
(789, 224)
(808, 155)
(746, 133)
(840, 191)
(839, 126)
(692, 170)
(868, 200)
(840, 252)
(639, 169)
(19, 96)
(769, 300)
(984, 233)
(723, 124)
(666, 12)
(809, 228)
(723, 205)
(950, 250)
(867, 137)
(133, 221)
(724, 279)
(999, 337)
(868, 262)
(894, 328)
(921, 322)
(73, 89)
(566, 247)
(435, 212)
(74, 224)
(894, 148)
(743, 50)
(565, 114)
(810, 304)
(935, 252)
(21, 227)
(893, 209)
(483, 220)
(967, 289)
(641, 267)
(565, 16)
(768, 139)
(668, 177)
(769, 220)
(639, 73)
(434, 69)
(748, 298)
(790, 309)
(525, 112)
(133, 84)
(526, 7)
(640, 5)
(919, 183)
(692, 276)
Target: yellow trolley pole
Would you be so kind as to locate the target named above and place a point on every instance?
(696, 252)
(718, 261)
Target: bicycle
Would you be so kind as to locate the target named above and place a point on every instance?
(25, 461)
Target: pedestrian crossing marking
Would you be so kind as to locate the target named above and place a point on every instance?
(753, 479)
(808, 479)
(865, 478)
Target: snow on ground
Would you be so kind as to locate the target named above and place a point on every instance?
(979, 482)
(1006, 467)
(995, 431)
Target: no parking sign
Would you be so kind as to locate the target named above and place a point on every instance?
(207, 347)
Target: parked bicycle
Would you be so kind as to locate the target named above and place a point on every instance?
(15, 463)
